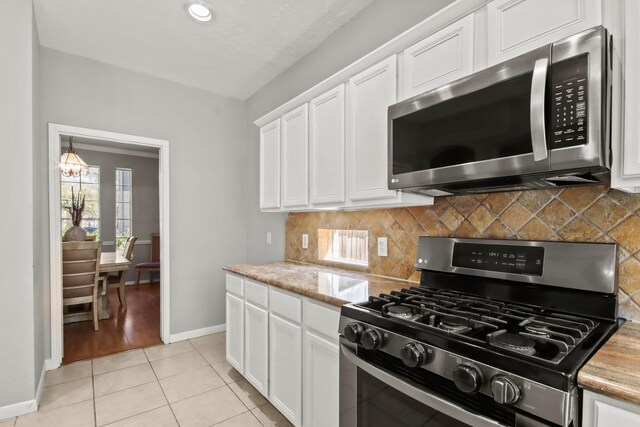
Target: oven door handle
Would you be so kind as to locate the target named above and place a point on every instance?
(420, 395)
(538, 132)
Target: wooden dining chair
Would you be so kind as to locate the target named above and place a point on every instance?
(154, 264)
(80, 275)
(119, 279)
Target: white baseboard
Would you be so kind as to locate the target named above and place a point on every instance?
(27, 406)
(50, 365)
(41, 383)
(19, 408)
(198, 333)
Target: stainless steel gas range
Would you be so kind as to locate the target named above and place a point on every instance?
(494, 336)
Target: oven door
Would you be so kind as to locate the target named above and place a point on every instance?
(372, 396)
(484, 126)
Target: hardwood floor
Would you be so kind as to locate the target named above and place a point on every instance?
(137, 327)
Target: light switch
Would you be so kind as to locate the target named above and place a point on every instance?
(382, 246)
(268, 237)
(305, 241)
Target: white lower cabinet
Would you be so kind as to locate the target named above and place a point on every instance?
(256, 347)
(235, 331)
(320, 380)
(286, 346)
(602, 411)
(285, 367)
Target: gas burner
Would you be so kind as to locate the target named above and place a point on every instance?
(400, 311)
(454, 326)
(514, 342)
(539, 331)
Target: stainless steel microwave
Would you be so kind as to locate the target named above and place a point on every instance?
(536, 121)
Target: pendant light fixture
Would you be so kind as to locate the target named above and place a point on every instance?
(71, 164)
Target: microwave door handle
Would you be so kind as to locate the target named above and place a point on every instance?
(538, 133)
(435, 402)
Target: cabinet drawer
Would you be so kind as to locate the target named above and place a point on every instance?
(321, 319)
(235, 284)
(284, 305)
(256, 292)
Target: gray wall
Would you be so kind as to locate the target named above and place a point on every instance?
(40, 220)
(206, 133)
(17, 361)
(371, 28)
(146, 215)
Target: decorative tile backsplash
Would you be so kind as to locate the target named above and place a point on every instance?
(580, 214)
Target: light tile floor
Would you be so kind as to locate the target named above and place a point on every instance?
(183, 384)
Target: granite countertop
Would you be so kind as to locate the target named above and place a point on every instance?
(330, 285)
(613, 370)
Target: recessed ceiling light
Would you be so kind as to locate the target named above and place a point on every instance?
(199, 11)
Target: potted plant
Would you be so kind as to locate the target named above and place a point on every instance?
(75, 209)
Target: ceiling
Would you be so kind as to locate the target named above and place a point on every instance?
(248, 44)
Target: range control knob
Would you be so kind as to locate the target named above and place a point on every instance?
(467, 378)
(413, 355)
(504, 390)
(371, 339)
(353, 332)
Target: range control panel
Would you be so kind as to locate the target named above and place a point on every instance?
(569, 102)
(526, 260)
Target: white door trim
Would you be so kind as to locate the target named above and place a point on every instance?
(56, 131)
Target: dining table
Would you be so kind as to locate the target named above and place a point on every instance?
(110, 262)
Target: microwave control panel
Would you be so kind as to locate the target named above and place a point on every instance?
(569, 103)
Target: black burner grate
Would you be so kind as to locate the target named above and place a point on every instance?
(488, 322)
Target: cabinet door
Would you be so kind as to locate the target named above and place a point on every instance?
(326, 147)
(285, 367)
(235, 331)
(321, 383)
(517, 26)
(603, 411)
(270, 165)
(439, 59)
(295, 158)
(256, 346)
(625, 173)
(369, 94)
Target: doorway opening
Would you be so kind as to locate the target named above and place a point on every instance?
(125, 190)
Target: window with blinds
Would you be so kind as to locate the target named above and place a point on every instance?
(124, 186)
(344, 246)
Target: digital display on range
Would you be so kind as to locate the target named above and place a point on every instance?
(527, 260)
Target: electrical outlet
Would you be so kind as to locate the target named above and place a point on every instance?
(268, 237)
(305, 241)
(382, 246)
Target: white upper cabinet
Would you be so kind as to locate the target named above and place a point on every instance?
(270, 165)
(518, 26)
(439, 59)
(369, 94)
(625, 130)
(295, 144)
(326, 148)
